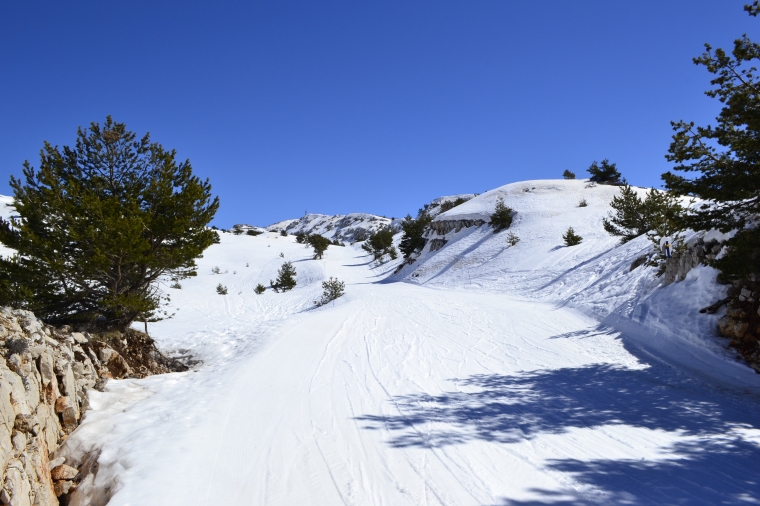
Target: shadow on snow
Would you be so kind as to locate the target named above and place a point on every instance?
(712, 464)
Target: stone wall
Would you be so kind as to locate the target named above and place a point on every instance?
(443, 227)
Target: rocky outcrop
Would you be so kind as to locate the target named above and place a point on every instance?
(695, 253)
(741, 323)
(437, 244)
(45, 373)
(443, 227)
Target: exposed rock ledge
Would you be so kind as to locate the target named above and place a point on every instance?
(45, 373)
(443, 227)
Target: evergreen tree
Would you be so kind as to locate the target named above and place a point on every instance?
(721, 163)
(98, 224)
(412, 239)
(221, 289)
(331, 290)
(319, 243)
(501, 218)
(571, 238)
(380, 243)
(605, 173)
(568, 175)
(286, 278)
(259, 289)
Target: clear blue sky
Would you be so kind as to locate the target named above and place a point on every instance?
(379, 107)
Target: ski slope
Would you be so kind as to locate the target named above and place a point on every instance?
(484, 385)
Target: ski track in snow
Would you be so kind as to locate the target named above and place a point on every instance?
(449, 393)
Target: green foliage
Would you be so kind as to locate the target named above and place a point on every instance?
(413, 229)
(237, 231)
(720, 163)
(98, 224)
(658, 215)
(216, 270)
(283, 233)
(319, 243)
(380, 243)
(501, 218)
(286, 278)
(253, 232)
(302, 238)
(259, 289)
(215, 239)
(176, 285)
(583, 203)
(605, 173)
(568, 175)
(331, 290)
(221, 289)
(571, 238)
(512, 239)
(451, 204)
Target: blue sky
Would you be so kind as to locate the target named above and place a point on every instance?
(336, 107)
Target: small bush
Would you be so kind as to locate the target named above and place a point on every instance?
(216, 270)
(380, 244)
(286, 279)
(237, 231)
(568, 175)
(253, 232)
(283, 233)
(512, 239)
(332, 289)
(282, 255)
(17, 346)
(501, 218)
(221, 289)
(216, 239)
(583, 203)
(605, 173)
(176, 285)
(302, 238)
(259, 289)
(571, 238)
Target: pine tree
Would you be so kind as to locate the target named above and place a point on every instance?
(412, 239)
(98, 225)
(605, 173)
(380, 243)
(331, 290)
(319, 243)
(571, 238)
(259, 289)
(286, 278)
(501, 218)
(721, 163)
(568, 175)
(221, 289)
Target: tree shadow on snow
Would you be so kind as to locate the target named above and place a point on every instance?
(711, 464)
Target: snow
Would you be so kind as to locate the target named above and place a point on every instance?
(482, 374)
(341, 227)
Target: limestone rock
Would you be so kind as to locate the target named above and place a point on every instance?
(64, 472)
(63, 487)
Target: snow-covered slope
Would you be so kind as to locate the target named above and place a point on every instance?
(480, 375)
(342, 227)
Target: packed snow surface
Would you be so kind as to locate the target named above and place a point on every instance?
(482, 374)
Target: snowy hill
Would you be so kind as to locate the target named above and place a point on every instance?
(342, 227)
(481, 374)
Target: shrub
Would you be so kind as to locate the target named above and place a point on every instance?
(216, 270)
(176, 285)
(215, 239)
(451, 204)
(283, 233)
(253, 232)
(512, 239)
(259, 289)
(221, 289)
(110, 204)
(17, 346)
(657, 215)
(501, 218)
(568, 175)
(380, 243)
(286, 278)
(319, 243)
(583, 203)
(571, 238)
(237, 231)
(605, 173)
(302, 238)
(332, 289)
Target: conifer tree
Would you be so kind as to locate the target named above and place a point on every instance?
(721, 163)
(501, 218)
(568, 175)
(319, 243)
(571, 238)
(412, 239)
(286, 278)
(98, 224)
(380, 243)
(605, 173)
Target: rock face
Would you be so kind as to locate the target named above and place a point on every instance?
(695, 253)
(44, 377)
(443, 227)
